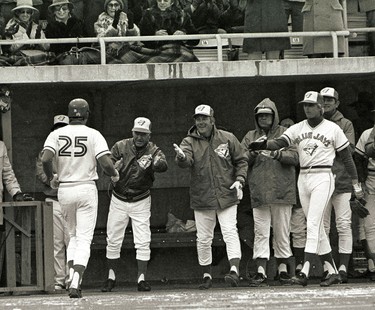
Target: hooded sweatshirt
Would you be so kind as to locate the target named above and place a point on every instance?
(271, 181)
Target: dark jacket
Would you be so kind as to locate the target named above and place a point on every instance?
(72, 29)
(265, 16)
(343, 181)
(271, 181)
(171, 20)
(215, 165)
(137, 172)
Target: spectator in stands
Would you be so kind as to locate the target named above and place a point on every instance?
(137, 159)
(293, 8)
(114, 22)
(272, 184)
(218, 166)
(60, 230)
(322, 15)
(367, 6)
(205, 14)
(265, 16)
(138, 7)
(65, 24)
(22, 27)
(165, 18)
(233, 17)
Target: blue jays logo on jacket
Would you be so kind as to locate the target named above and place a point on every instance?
(145, 161)
(222, 150)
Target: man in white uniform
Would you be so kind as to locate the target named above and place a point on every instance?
(317, 141)
(77, 148)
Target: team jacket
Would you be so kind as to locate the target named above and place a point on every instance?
(343, 181)
(271, 181)
(137, 173)
(215, 165)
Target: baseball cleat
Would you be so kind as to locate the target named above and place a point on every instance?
(258, 280)
(206, 284)
(333, 278)
(285, 279)
(232, 279)
(300, 279)
(343, 276)
(75, 293)
(109, 284)
(144, 286)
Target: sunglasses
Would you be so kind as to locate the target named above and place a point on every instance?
(59, 8)
(113, 5)
(29, 12)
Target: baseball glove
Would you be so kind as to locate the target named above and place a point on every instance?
(358, 207)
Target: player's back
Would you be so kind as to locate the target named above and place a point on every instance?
(76, 148)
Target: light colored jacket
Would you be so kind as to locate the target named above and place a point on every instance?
(7, 174)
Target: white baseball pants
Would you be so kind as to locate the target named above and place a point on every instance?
(79, 202)
(368, 223)
(120, 213)
(205, 221)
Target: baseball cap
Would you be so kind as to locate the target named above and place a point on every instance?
(61, 119)
(203, 109)
(329, 92)
(313, 97)
(264, 111)
(142, 124)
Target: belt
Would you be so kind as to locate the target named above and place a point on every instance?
(132, 198)
(317, 167)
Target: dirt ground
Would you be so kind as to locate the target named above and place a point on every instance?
(359, 296)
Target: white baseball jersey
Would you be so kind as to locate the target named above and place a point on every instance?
(76, 147)
(316, 146)
(360, 149)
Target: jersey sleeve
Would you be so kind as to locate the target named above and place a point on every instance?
(51, 143)
(101, 146)
(360, 147)
(341, 141)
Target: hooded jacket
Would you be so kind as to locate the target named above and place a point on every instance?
(343, 181)
(271, 181)
(215, 164)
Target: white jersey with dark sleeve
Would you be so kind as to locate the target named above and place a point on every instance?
(316, 146)
(76, 148)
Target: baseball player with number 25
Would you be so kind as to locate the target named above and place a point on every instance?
(317, 141)
(77, 148)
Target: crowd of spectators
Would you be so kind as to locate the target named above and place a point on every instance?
(37, 19)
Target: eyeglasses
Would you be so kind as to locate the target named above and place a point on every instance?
(29, 12)
(113, 4)
(59, 8)
(166, 1)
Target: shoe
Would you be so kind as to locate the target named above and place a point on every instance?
(285, 279)
(232, 279)
(75, 293)
(109, 284)
(324, 276)
(144, 286)
(300, 279)
(206, 284)
(333, 278)
(258, 280)
(343, 276)
(59, 287)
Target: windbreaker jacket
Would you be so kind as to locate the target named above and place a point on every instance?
(215, 165)
(271, 181)
(343, 181)
(137, 172)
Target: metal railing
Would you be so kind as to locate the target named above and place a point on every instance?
(101, 42)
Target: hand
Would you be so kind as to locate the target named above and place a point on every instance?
(258, 144)
(119, 164)
(276, 154)
(156, 159)
(358, 191)
(38, 32)
(116, 19)
(130, 19)
(54, 182)
(238, 186)
(116, 177)
(179, 33)
(161, 32)
(179, 153)
(12, 30)
(18, 197)
(358, 207)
